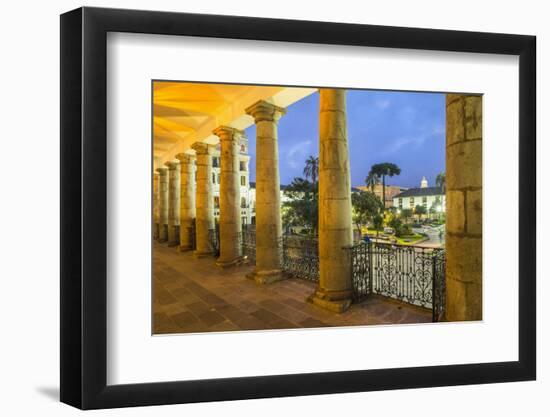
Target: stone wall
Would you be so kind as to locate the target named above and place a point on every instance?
(464, 207)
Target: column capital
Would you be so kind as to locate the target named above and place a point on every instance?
(227, 132)
(264, 111)
(162, 170)
(185, 158)
(201, 148)
(172, 164)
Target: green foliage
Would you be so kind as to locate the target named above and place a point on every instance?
(366, 206)
(311, 169)
(440, 181)
(396, 225)
(420, 210)
(377, 222)
(371, 180)
(383, 170)
(406, 214)
(302, 209)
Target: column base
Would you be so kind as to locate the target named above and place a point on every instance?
(173, 243)
(202, 254)
(267, 276)
(182, 248)
(335, 301)
(228, 264)
(162, 240)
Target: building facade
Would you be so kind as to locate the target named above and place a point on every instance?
(378, 190)
(244, 181)
(428, 197)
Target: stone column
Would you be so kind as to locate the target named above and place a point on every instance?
(268, 197)
(463, 241)
(230, 196)
(173, 202)
(334, 291)
(155, 205)
(163, 204)
(187, 200)
(204, 200)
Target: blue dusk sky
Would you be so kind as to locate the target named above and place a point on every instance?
(404, 128)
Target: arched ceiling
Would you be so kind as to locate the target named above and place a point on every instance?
(184, 113)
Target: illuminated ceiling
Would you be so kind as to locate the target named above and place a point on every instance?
(184, 113)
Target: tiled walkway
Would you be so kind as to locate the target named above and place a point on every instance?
(193, 295)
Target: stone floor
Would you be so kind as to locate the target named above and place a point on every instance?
(193, 295)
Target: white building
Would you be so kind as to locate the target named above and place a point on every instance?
(423, 196)
(252, 199)
(244, 159)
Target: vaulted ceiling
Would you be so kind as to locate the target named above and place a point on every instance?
(184, 113)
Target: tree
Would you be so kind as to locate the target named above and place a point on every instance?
(371, 180)
(383, 170)
(441, 181)
(311, 170)
(419, 211)
(366, 206)
(406, 214)
(302, 207)
(396, 225)
(377, 222)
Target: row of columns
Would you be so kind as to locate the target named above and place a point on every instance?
(334, 291)
(180, 202)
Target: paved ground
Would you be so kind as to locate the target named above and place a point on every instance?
(193, 295)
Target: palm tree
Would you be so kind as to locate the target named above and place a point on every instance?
(383, 170)
(311, 170)
(441, 182)
(371, 180)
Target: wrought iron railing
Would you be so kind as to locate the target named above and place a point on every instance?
(411, 274)
(361, 267)
(192, 235)
(438, 309)
(214, 240)
(248, 243)
(301, 257)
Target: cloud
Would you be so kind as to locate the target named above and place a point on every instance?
(407, 115)
(297, 153)
(383, 104)
(415, 140)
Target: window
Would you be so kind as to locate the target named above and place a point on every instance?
(425, 201)
(213, 178)
(242, 166)
(243, 148)
(215, 162)
(411, 202)
(243, 202)
(400, 200)
(216, 202)
(219, 179)
(243, 180)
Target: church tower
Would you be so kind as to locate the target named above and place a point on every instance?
(424, 183)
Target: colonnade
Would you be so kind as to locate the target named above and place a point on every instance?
(182, 200)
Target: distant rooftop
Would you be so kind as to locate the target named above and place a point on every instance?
(284, 187)
(420, 192)
(253, 185)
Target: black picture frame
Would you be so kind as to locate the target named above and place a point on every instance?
(84, 207)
